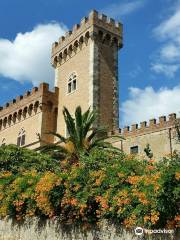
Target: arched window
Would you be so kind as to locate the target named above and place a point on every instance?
(21, 139)
(72, 83)
(5, 122)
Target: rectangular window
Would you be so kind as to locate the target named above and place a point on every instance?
(74, 85)
(69, 87)
(23, 140)
(18, 141)
(134, 150)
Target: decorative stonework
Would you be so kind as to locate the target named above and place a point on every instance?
(26, 106)
(96, 75)
(144, 128)
(153, 126)
(68, 45)
(116, 92)
(88, 49)
(35, 112)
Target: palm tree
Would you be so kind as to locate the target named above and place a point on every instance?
(82, 136)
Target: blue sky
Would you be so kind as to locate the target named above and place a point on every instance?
(149, 63)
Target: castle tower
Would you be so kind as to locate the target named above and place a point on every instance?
(86, 69)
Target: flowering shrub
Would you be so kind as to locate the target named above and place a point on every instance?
(101, 185)
(16, 160)
(18, 194)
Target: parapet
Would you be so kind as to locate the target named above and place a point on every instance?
(81, 32)
(27, 98)
(154, 125)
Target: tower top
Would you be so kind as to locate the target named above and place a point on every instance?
(88, 26)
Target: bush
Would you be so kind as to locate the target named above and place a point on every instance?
(16, 160)
(101, 185)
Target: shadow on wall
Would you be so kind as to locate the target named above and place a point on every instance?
(52, 229)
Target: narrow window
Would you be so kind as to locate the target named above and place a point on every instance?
(134, 150)
(72, 83)
(69, 87)
(23, 137)
(18, 141)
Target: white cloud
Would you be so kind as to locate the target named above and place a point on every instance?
(27, 57)
(167, 60)
(170, 27)
(123, 8)
(135, 72)
(144, 104)
(170, 52)
(168, 70)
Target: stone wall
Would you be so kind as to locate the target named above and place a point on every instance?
(90, 51)
(32, 229)
(160, 134)
(34, 114)
(77, 64)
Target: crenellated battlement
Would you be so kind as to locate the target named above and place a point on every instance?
(28, 104)
(27, 97)
(93, 25)
(164, 122)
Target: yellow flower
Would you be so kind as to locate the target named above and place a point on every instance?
(5, 174)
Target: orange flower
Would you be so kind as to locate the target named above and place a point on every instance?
(150, 168)
(154, 217)
(177, 175)
(43, 187)
(82, 208)
(134, 180)
(171, 224)
(131, 221)
(5, 174)
(177, 220)
(98, 182)
(1, 196)
(146, 218)
(121, 175)
(103, 202)
(77, 187)
(141, 196)
(74, 202)
(152, 161)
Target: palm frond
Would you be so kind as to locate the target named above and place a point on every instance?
(79, 125)
(88, 123)
(97, 132)
(61, 138)
(52, 147)
(69, 120)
